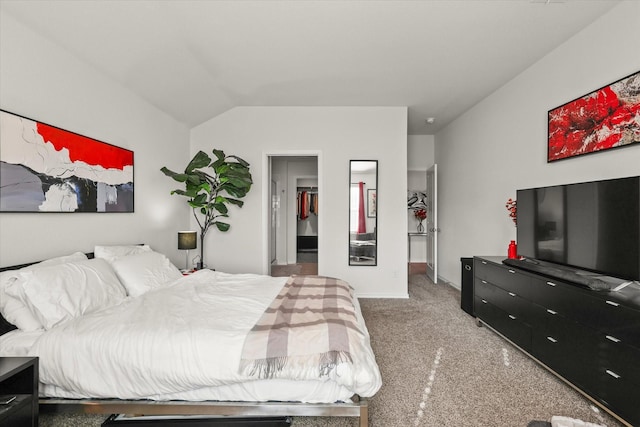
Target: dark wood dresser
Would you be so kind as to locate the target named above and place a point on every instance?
(590, 339)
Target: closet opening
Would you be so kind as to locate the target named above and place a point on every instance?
(295, 212)
(307, 224)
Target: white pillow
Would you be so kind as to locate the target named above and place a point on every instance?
(18, 313)
(111, 253)
(143, 272)
(13, 309)
(59, 293)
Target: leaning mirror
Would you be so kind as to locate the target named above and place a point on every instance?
(363, 208)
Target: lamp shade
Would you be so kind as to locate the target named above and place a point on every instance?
(187, 240)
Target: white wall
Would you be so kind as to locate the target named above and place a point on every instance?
(420, 152)
(336, 135)
(41, 81)
(499, 145)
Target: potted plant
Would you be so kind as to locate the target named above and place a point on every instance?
(210, 185)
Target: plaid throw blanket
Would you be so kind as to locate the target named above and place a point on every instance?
(309, 325)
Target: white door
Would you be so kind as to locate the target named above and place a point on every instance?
(273, 196)
(432, 223)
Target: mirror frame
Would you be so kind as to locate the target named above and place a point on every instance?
(355, 259)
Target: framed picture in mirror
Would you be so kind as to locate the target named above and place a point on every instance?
(371, 203)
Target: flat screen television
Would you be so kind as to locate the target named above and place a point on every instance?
(593, 226)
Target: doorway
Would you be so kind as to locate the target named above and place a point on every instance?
(294, 214)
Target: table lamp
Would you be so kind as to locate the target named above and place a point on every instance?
(187, 240)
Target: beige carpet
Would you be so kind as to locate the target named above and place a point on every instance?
(440, 369)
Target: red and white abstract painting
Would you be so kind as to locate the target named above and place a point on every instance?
(47, 169)
(604, 119)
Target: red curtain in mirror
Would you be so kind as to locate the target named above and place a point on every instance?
(362, 225)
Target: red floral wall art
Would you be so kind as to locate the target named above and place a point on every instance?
(604, 119)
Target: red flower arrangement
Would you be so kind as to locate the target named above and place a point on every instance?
(511, 208)
(421, 215)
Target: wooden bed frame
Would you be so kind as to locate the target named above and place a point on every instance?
(357, 408)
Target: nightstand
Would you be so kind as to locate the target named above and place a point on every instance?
(19, 383)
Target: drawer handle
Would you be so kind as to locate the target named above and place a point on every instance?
(551, 284)
(552, 339)
(512, 317)
(610, 338)
(512, 271)
(512, 294)
(613, 374)
(615, 304)
(552, 312)
(484, 301)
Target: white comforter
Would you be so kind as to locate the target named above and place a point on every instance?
(184, 341)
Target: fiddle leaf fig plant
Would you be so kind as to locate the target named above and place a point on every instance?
(211, 185)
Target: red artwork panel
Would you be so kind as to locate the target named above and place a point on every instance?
(47, 169)
(604, 119)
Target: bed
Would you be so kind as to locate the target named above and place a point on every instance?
(125, 331)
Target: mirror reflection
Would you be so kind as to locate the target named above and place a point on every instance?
(363, 206)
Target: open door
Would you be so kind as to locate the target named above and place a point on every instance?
(432, 223)
(275, 205)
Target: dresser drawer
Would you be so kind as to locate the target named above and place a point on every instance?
(504, 277)
(567, 300)
(620, 322)
(507, 324)
(590, 308)
(619, 394)
(567, 347)
(623, 360)
(510, 302)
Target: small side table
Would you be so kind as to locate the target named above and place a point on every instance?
(19, 384)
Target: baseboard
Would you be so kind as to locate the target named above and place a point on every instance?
(449, 282)
(382, 296)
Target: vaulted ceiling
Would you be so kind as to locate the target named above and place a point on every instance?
(195, 59)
